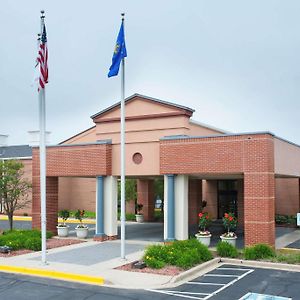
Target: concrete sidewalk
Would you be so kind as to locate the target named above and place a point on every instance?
(89, 262)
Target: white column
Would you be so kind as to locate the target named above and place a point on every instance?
(181, 207)
(165, 207)
(110, 205)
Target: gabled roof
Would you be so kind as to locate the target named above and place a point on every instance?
(146, 98)
(20, 151)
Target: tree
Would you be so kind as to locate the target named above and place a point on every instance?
(14, 188)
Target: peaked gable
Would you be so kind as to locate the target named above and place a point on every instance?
(139, 106)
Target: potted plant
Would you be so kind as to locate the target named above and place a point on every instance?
(230, 223)
(63, 228)
(81, 229)
(139, 216)
(204, 236)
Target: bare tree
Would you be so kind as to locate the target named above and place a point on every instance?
(14, 188)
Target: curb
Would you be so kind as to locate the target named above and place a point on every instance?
(53, 274)
(199, 270)
(261, 264)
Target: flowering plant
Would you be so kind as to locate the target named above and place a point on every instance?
(204, 222)
(230, 223)
(64, 214)
(79, 215)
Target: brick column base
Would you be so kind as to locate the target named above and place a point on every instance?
(51, 203)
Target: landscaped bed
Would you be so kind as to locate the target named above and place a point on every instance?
(26, 241)
(174, 258)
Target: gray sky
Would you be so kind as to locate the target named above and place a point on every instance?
(235, 62)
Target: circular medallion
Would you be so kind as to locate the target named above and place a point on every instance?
(137, 158)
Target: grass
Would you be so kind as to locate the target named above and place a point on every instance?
(23, 239)
(87, 214)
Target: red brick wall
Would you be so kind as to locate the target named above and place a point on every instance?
(51, 203)
(287, 196)
(251, 155)
(210, 195)
(84, 161)
(195, 199)
(145, 196)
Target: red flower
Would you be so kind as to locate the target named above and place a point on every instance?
(200, 215)
(230, 218)
(226, 215)
(207, 217)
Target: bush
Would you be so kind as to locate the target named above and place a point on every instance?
(183, 254)
(259, 251)
(23, 239)
(225, 249)
(288, 258)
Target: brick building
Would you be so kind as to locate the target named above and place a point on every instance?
(251, 174)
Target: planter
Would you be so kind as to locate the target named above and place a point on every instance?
(82, 233)
(139, 218)
(62, 231)
(203, 239)
(229, 240)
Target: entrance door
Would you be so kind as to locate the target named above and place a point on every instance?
(227, 197)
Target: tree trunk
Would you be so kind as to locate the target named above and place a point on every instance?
(10, 219)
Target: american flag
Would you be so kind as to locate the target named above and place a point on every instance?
(42, 60)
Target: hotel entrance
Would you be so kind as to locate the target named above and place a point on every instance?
(227, 197)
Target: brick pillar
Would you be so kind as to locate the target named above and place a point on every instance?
(195, 199)
(240, 202)
(259, 208)
(145, 196)
(210, 195)
(130, 207)
(51, 203)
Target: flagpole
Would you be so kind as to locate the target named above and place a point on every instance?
(42, 123)
(123, 156)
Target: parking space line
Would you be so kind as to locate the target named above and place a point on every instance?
(234, 269)
(202, 295)
(177, 295)
(189, 293)
(220, 275)
(228, 284)
(204, 283)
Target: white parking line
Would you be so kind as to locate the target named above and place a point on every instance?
(204, 283)
(222, 286)
(228, 284)
(220, 275)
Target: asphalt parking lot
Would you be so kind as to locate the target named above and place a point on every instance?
(229, 282)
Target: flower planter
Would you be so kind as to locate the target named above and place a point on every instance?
(62, 231)
(203, 239)
(139, 218)
(229, 240)
(82, 232)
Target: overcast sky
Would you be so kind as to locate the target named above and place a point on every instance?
(235, 62)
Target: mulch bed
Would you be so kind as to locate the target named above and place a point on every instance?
(168, 270)
(51, 243)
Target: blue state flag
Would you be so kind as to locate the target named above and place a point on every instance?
(119, 53)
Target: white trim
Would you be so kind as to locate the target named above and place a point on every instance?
(208, 126)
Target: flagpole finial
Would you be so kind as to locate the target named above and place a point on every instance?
(42, 14)
(123, 15)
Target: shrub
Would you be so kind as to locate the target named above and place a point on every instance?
(23, 239)
(259, 251)
(225, 249)
(184, 254)
(288, 258)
